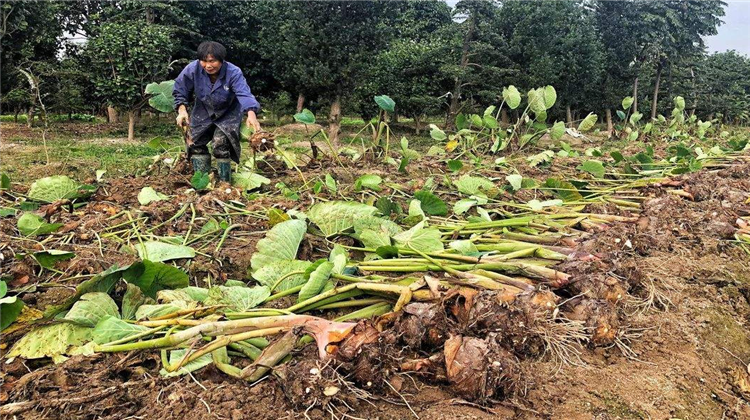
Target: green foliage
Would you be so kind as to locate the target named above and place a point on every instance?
(148, 195)
(317, 280)
(157, 251)
(29, 224)
(305, 117)
(54, 188)
(280, 244)
(162, 99)
(368, 181)
(385, 103)
(50, 341)
(237, 298)
(152, 277)
(91, 308)
(200, 180)
(431, 204)
(10, 306)
(334, 217)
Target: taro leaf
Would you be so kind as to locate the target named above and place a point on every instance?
(186, 294)
(627, 102)
(621, 115)
(512, 97)
(679, 103)
(465, 247)
(617, 156)
(550, 96)
(645, 160)
(132, 300)
(161, 251)
(317, 281)
(635, 118)
(249, 180)
(7, 212)
(436, 133)
(162, 101)
(472, 185)
(374, 239)
(280, 244)
(237, 299)
(455, 165)
(515, 181)
(387, 207)
(274, 270)
(102, 282)
(387, 252)
(376, 224)
(477, 121)
(330, 183)
(536, 101)
(48, 258)
(335, 217)
(557, 130)
(540, 158)
(529, 183)
(29, 224)
(53, 188)
(111, 328)
(563, 189)
(4, 182)
(588, 123)
(305, 117)
(416, 214)
(421, 238)
(158, 143)
(149, 195)
(431, 204)
(490, 122)
(594, 167)
(156, 311)
(50, 341)
(174, 358)
(10, 308)
(276, 216)
(91, 308)
(402, 165)
(464, 205)
(368, 181)
(462, 122)
(154, 276)
(339, 257)
(200, 180)
(385, 103)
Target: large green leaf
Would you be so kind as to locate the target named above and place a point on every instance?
(53, 188)
(339, 257)
(50, 341)
(162, 251)
(305, 117)
(200, 180)
(48, 258)
(436, 133)
(627, 102)
(512, 97)
(273, 271)
(431, 204)
(148, 195)
(588, 123)
(679, 103)
(29, 224)
(376, 224)
(563, 189)
(249, 180)
(91, 308)
(368, 181)
(102, 282)
(10, 308)
(162, 99)
(557, 130)
(550, 96)
(176, 355)
(515, 181)
(374, 239)
(464, 205)
(156, 311)
(317, 281)
(385, 103)
(473, 185)
(420, 238)
(280, 244)
(132, 300)
(594, 167)
(238, 298)
(154, 276)
(335, 217)
(111, 328)
(536, 101)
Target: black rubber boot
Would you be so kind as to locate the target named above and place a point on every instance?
(201, 163)
(225, 169)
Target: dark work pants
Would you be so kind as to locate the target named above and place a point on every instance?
(219, 143)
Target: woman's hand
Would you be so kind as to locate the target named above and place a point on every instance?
(252, 121)
(183, 119)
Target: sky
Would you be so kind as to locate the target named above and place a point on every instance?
(734, 34)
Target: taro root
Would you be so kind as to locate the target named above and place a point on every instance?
(478, 369)
(598, 316)
(423, 325)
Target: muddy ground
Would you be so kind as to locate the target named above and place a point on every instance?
(681, 348)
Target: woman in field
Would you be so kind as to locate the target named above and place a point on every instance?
(221, 98)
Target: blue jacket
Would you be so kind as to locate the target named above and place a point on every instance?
(222, 105)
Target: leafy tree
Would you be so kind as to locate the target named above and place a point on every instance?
(17, 99)
(724, 87)
(124, 58)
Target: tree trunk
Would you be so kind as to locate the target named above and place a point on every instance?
(504, 116)
(131, 125)
(654, 104)
(15, 115)
(334, 120)
(395, 117)
(30, 117)
(112, 115)
(569, 116)
(635, 95)
(610, 126)
(417, 123)
(300, 102)
(453, 108)
(695, 93)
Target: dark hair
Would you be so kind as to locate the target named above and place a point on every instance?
(211, 48)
